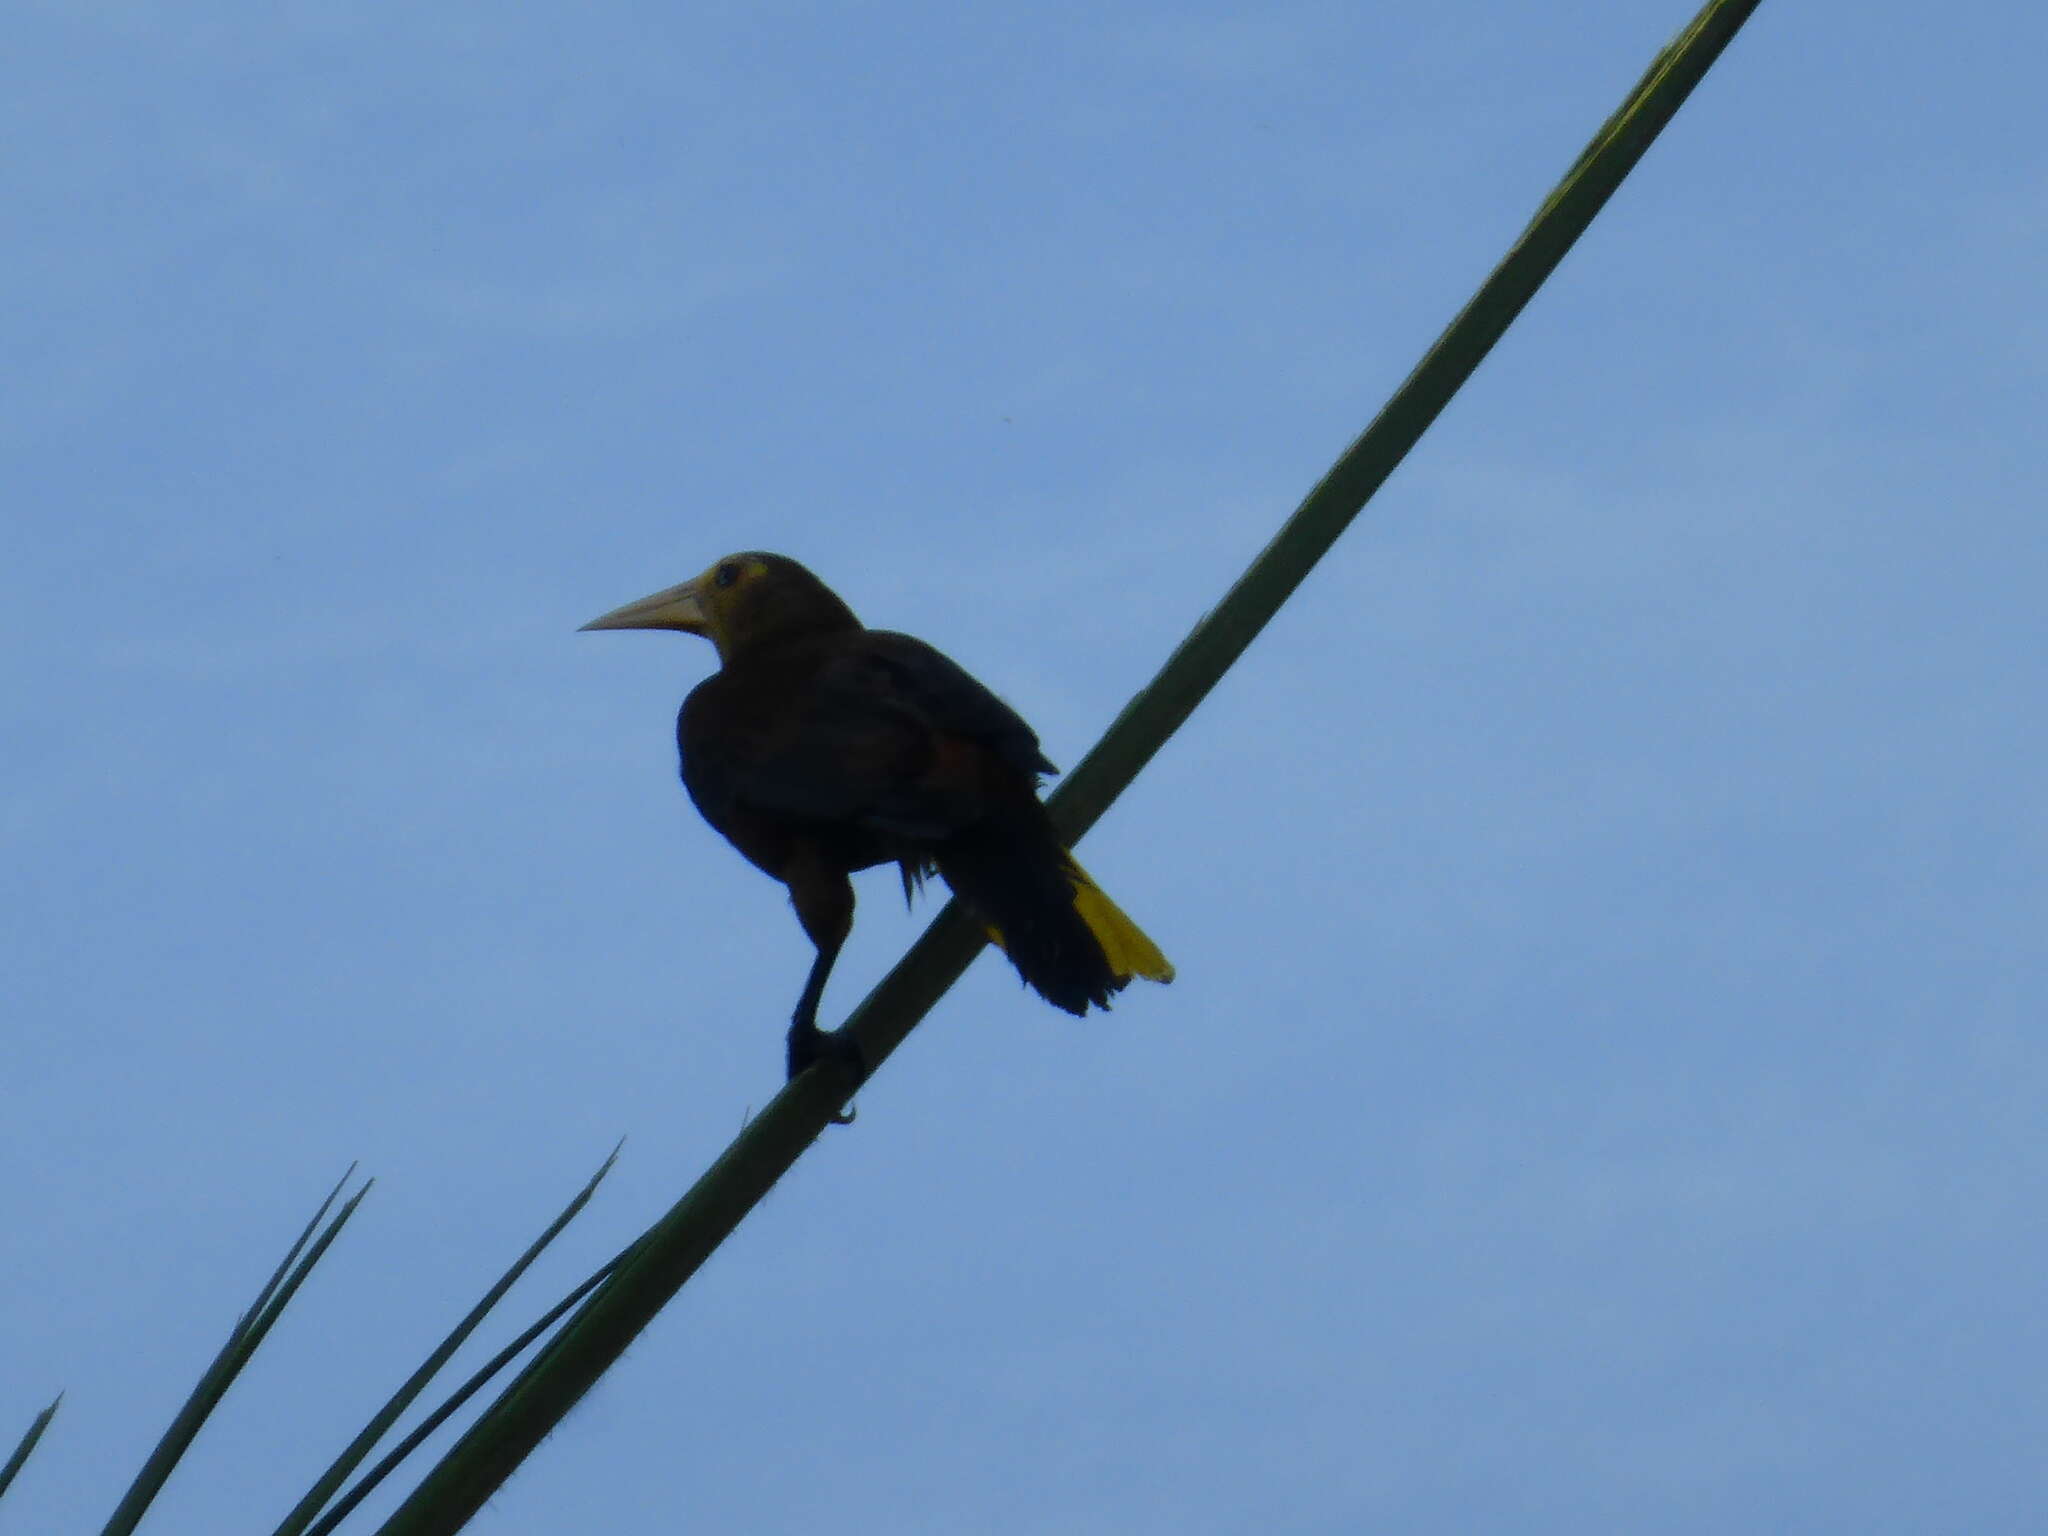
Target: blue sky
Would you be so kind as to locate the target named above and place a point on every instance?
(1603, 1088)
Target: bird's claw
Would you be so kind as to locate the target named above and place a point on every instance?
(809, 1045)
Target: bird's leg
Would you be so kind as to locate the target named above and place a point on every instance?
(823, 898)
(807, 1042)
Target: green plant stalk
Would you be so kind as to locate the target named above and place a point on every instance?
(536, 1400)
(242, 1342)
(303, 1513)
(28, 1442)
(386, 1464)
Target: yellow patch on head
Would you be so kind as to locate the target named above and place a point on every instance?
(722, 591)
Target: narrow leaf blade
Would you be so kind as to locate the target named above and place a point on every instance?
(21, 1452)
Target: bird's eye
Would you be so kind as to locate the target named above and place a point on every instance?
(726, 574)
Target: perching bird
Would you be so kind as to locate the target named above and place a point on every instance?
(821, 747)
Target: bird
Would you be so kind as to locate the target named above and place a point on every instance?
(820, 747)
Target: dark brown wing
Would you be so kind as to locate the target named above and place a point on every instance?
(874, 735)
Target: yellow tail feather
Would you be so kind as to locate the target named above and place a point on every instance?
(1129, 950)
(1124, 943)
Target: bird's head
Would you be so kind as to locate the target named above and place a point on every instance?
(743, 601)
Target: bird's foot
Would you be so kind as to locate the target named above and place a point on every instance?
(809, 1045)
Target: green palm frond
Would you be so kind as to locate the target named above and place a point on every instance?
(302, 1519)
(20, 1453)
(242, 1341)
(254, 1325)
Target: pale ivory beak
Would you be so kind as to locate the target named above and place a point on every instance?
(673, 608)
